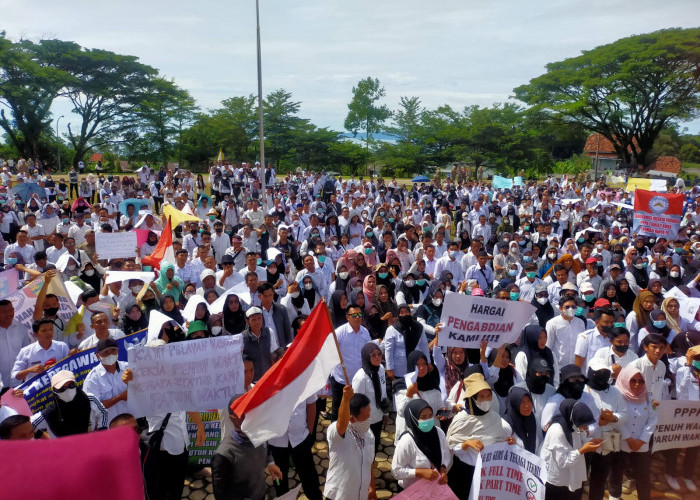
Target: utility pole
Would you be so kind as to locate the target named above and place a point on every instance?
(260, 112)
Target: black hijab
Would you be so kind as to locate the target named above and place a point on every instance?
(371, 370)
(544, 312)
(66, 419)
(523, 427)
(427, 442)
(337, 312)
(569, 387)
(529, 345)
(175, 314)
(431, 380)
(506, 376)
(234, 322)
(411, 331)
(626, 299)
(536, 384)
(572, 414)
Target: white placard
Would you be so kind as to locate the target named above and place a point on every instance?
(688, 306)
(194, 375)
(678, 425)
(115, 245)
(241, 290)
(467, 320)
(114, 276)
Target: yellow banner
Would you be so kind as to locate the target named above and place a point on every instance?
(638, 183)
(178, 216)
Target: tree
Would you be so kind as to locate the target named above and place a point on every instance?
(364, 112)
(279, 114)
(407, 119)
(628, 90)
(28, 86)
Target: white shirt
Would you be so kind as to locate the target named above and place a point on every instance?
(297, 431)
(175, 436)
(609, 356)
(561, 338)
(408, 457)
(639, 423)
(104, 385)
(565, 465)
(687, 385)
(653, 377)
(92, 340)
(12, 340)
(362, 384)
(587, 345)
(351, 343)
(34, 354)
(349, 469)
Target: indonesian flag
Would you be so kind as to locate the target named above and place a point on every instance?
(163, 250)
(302, 372)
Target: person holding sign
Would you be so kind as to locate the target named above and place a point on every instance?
(422, 450)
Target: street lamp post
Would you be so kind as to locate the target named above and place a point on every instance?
(260, 110)
(58, 144)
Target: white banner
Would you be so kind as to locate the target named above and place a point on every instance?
(115, 245)
(688, 306)
(678, 425)
(194, 375)
(24, 300)
(467, 320)
(508, 472)
(114, 276)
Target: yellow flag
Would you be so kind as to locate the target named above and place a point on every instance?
(221, 155)
(178, 216)
(638, 183)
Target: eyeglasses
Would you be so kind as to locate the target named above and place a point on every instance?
(355, 315)
(69, 385)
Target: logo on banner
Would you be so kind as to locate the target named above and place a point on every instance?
(658, 204)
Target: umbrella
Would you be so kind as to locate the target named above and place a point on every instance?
(420, 178)
(80, 205)
(26, 189)
(132, 201)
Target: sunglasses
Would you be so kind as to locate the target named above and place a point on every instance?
(69, 385)
(355, 315)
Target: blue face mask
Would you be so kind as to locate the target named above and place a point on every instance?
(696, 364)
(580, 311)
(514, 295)
(321, 258)
(11, 260)
(452, 254)
(580, 240)
(620, 325)
(369, 234)
(382, 275)
(512, 272)
(259, 261)
(391, 219)
(531, 274)
(420, 282)
(527, 258)
(426, 425)
(368, 251)
(659, 324)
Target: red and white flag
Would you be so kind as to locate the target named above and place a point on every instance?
(163, 250)
(302, 372)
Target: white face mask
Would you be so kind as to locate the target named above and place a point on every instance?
(109, 360)
(599, 247)
(437, 302)
(360, 428)
(639, 266)
(484, 405)
(136, 288)
(216, 330)
(552, 255)
(90, 272)
(343, 275)
(675, 274)
(294, 295)
(308, 286)
(71, 267)
(410, 283)
(568, 312)
(68, 395)
(542, 300)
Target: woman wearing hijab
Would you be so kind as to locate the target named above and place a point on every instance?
(638, 425)
(233, 316)
(384, 278)
(403, 338)
(543, 307)
(422, 451)
(370, 380)
(477, 425)
(295, 302)
(563, 449)
(409, 292)
(341, 278)
(339, 302)
(671, 307)
(533, 344)
(362, 270)
(625, 295)
(655, 288)
(369, 287)
(657, 324)
(168, 283)
(502, 375)
(610, 407)
(637, 274)
(275, 276)
(169, 308)
(673, 278)
(428, 314)
(571, 385)
(133, 320)
(519, 415)
(426, 387)
(386, 308)
(639, 317)
(537, 377)
(309, 290)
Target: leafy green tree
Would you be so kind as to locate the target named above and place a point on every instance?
(407, 119)
(280, 120)
(628, 90)
(364, 112)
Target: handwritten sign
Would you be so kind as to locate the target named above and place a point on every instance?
(195, 375)
(24, 300)
(422, 489)
(115, 245)
(467, 320)
(508, 472)
(678, 425)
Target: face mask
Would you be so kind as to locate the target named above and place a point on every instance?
(552, 255)
(542, 300)
(294, 294)
(514, 295)
(136, 288)
(659, 324)
(599, 247)
(295, 223)
(538, 384)
(696, 364)
(66, 221)
(11, 260)
(216, 330)
(334, 242)
(675, 274)
(426, 425)
(212, 218)
(605, 329)
(360, 428)
(483, 405)
(109, 360)
(589, 297)
(531, 274)
(383, 275)
(580, 311)
(410, 283)
(580, 240)
(527, 258)
(391, 219)
(452, 254)
(308, 286)
(321, 258)
(368, 251)
(259, 261)
(343, 275)
(437, 302)
(555, 220)
(67, 396)
(71, 267)
(679, 250)
(568, 312)
(406, 320)
(369, 234)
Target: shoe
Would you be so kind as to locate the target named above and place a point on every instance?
(690, 485)
(628, 486)
(672, 482)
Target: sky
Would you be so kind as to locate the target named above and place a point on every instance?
(456, 52)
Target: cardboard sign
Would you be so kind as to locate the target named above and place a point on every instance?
(116, 245)
(678, 425)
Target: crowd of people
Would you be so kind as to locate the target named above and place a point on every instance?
(606, 346)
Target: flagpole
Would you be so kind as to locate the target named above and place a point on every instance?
(260, 111)
(337, 345)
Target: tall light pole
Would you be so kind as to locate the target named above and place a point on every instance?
(58, 144)
(260, 111)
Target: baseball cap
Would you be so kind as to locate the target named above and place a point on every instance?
(601, 303)
(62, 378)
(252, 311)
(591, 260)
(569, 286)
(107, 343)
(586, 287)
(227, 259)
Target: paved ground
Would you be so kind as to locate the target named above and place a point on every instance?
(198, 486)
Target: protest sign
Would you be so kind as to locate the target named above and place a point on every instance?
(24, 300)
(19, 404)
(115, 245)
(467, 320)
(37, 391)
(9, 280)
(192, 376)
(114, 276)
(508, 472)
(422, 489)
(241, 290)
(291, 494)
(657, 214)
(615, 181)
(502, 182)
(517, 180)
(688, 306)
(678, 425)
(202, 455)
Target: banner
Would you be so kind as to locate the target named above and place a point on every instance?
(518, 181)
(9, 281)
(116, 245)
(467, 320)
(422, 489)
(634, 183)
(37, 391)
(501, 182)
(202, 455)
(195, 375)
(508, 472)
(657, 214)
(24, 300)
(678, 425)
(688, 306)
(616, 182)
